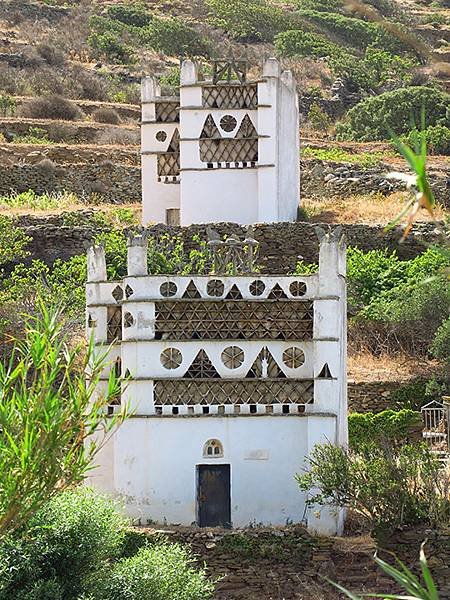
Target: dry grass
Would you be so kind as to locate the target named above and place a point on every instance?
(364, 366)
(369, 209)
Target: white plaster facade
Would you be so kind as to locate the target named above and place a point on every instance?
(237, 158)
(266, 403)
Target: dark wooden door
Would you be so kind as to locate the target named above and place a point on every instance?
(214, 495)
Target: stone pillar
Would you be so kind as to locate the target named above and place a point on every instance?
(137, 254)
(96, 264)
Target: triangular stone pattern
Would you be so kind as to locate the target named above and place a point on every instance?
(265, 366)
(234, 294)
(201, 368)
(210, 129)
(174, 145)
(325, 373)
(246, 129)
(276, 292)
(191, 291)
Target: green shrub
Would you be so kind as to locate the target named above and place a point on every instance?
(305, 43)
(377, 117)
(35, 135)
(250, 20)
(14, 241)
(134, 14)
(350, 30)
(387, 426)
(174, 37)
(318, 118)
(7, 105)
(110, 45)
(160, 572)
(370, 273)
(437, 137)
(76, 533)
(363, 159)
(389, 487)
(440, 347)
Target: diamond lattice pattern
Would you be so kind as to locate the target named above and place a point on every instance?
(235, 320)
(265, 391)
(230, 96)
(167, 112)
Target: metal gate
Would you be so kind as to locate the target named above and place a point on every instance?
(436, 427)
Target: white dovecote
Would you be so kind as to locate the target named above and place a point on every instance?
(238, 148)
(252, 365)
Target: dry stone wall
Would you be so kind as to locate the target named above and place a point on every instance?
(115, 183)
(281, 244)
(286, 562)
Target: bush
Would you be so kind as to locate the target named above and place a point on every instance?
(173, 37)
(51, 107)
(106, 115)
(389, 487)
(134, 14)
(440, 347)
(109, 44)
(160, 572)
(352, 31)
(388, 426)
(52, 55)
(318, 118)
(305, 43)
(377, 117)
(250, 21)
(14, 241)
(76, 533)
(437, 138)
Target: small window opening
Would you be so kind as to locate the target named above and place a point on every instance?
(285, 409)
(253, 408)
(213, 449)
(205, 410)
(175, 410)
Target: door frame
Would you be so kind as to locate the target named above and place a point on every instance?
(197, 488)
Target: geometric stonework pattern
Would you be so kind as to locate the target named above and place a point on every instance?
(171, 358)
(114, 324)
(233, 391)
(169, 161)
(242, 148)
(230, 96)
(167, 112)
(293, 357)
(233, 357)
(229, 150)
(235, 320)
(265, 366)
(201, 368)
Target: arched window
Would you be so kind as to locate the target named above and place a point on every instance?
(212, 449)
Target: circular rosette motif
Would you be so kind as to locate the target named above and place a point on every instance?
(233, 357)
(171, 358)
(298, 288)
(168, 289)
(215, 287)
(228, 123)
(293, 357)
(257, 287)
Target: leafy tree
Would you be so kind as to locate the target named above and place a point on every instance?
(48, 414)
(375, 118)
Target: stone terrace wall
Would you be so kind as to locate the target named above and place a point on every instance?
(367, 396)
(281, 244)
(286, 562)
(116, 183)
(64, 154)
